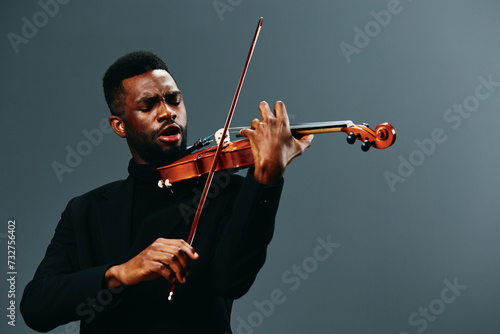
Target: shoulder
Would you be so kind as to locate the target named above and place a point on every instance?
(104, 189)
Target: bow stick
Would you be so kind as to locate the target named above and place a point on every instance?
(221, 144)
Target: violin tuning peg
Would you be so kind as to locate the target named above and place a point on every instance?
(351, 138)
(366, 145)
(165, 183)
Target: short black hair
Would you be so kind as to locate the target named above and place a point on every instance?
(127, 66)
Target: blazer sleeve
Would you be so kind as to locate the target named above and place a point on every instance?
(242, 245)
(61, 291)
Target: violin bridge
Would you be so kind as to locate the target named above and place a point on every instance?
(218, 137)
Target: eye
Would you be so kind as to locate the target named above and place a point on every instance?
(146, 109)
(174, 99)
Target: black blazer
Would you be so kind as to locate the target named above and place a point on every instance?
(94, 233)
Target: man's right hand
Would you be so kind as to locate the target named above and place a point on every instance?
(164, 257)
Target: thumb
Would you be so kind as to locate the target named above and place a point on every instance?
(306, 140)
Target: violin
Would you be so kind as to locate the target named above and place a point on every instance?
(238, 154)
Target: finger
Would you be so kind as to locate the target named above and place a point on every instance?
(174, 264)
(265, 111)
(189, 250)
(255, 124)
(183, 245)
(174, 254)
(248, 132)
(147, 266)
(167, 273)
(281, 114)
(245, 132)
(178, 254)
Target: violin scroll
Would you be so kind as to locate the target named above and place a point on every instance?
(383, 136)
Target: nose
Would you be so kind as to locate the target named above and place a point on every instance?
(165, 112)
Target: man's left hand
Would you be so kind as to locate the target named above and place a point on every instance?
(273, 145)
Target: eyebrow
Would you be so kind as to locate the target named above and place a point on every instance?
(151, 99)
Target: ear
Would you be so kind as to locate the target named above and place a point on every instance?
(117, 125)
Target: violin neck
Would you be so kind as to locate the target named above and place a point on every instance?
(302, 129)
(319, 127)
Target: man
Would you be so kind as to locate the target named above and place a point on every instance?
(118, 249)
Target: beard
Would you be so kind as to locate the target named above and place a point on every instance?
(146, 147)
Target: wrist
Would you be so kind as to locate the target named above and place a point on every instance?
(261, 176)
(111, 277)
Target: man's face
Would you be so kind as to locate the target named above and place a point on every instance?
(154, 118)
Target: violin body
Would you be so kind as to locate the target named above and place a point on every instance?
(235, 155)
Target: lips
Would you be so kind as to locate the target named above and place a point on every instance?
(170, 134)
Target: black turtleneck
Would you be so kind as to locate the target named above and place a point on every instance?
(148, 197)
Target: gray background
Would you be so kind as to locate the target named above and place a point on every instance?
(398, 245)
